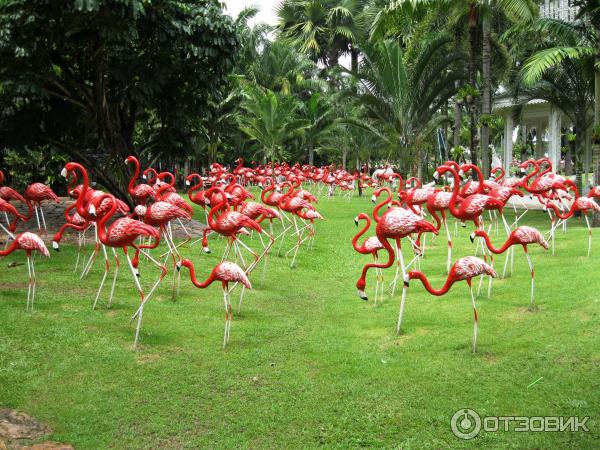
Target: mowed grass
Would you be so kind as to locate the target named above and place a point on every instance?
(308, 364)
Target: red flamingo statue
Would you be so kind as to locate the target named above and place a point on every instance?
(123, 233)
(464, 269)
(226, 272)
(369, 247)
(36, 193)
(28, 242)
(520, 236)
(140, 193)
(396, 224)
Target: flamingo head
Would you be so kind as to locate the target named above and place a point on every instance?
(55, 244)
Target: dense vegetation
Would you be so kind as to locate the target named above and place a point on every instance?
(344, 81)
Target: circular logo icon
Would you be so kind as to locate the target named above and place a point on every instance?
(465, 424)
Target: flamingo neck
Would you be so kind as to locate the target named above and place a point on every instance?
(427, 285)
(195, 281)
(11, 248)
(80, 203)
(101, 226)
(376, 215)
(509, 241)
(196, 187)
(359, 234)
(136, 174)
(452, 205)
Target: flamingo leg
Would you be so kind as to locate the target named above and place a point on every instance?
(29, 282)
(10, 235)
(449, 258)
(106, 268)
(530, 264)
(34, 282)
(402, 303)
(475, 321)
(37, 217)
(43, 219)
(587, 222)
(114, 281)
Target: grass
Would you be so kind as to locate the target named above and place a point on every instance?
(309, 364)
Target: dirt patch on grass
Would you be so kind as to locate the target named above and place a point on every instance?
(148, 358)
(13, 286)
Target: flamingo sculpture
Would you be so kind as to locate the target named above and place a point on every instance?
(142, 192)
(123, 233)
(29, 242)
(464, 269)
(36, 193)
(370, 247)
(522, 235)
(226, 272)
(396, 224)
(8, 208)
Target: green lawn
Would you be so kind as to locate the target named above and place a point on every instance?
(308, 363)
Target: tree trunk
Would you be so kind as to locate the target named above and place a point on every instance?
(569, 159)
(596, 151)
(473, 13)
(457, 126)
(311, 155)
(444, 154)
(486, 102)
(344, 156)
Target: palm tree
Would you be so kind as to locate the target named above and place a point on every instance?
(319, 115)
(476, 15)
(561, 72)
(323, 29)
(576, 42)
(270, 119)
(402, 91)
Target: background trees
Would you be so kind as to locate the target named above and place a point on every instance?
(341, 81)
(102, 79)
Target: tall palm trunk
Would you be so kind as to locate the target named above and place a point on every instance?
(596, 151)
(486, 102)
(473, 13)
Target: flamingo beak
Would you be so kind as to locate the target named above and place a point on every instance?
(144, 176)
(206, 250)
(178, 266)
(55, 246)
(356, 221)
(373, 198)
(187, 182)
(362, 295)
(92, 210)
(436, 175)
(63, 172)
(472, 237)
(406, 280)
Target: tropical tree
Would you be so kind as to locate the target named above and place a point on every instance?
(477, 17)
(403, 91)
(270, 119)
(320, 119)
(100, 80)
(323, 29)
(561, 70)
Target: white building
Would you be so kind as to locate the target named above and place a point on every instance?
(539, 114)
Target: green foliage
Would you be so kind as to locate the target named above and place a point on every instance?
(270, 119)
(28, 166)
(100, 80)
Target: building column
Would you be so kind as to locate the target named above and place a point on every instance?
(539, 140)
(554, 138)
(587, 162)
(508, 143)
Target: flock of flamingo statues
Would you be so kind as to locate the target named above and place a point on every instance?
(228, 211)
(139, 232)
(467, 200)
